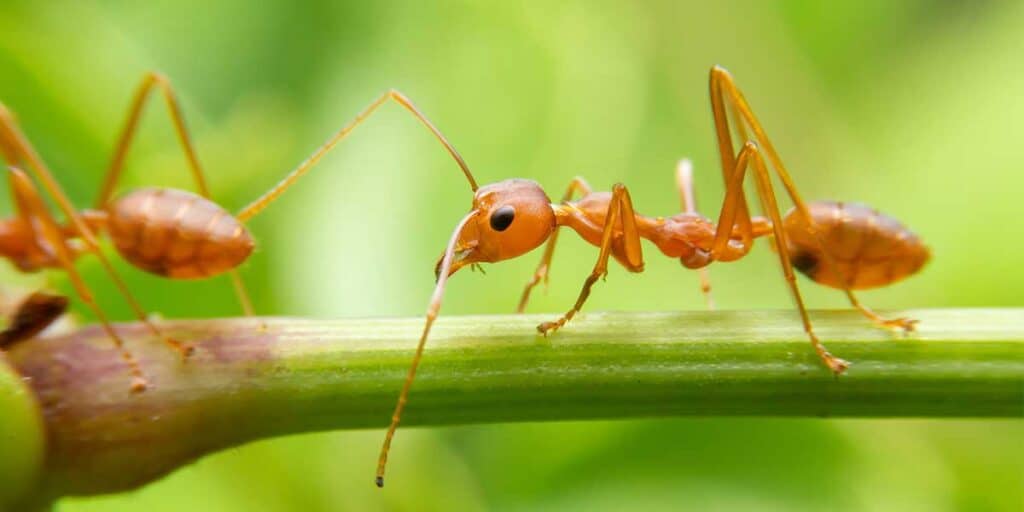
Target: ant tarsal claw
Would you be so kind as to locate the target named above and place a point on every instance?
(837, 365)
(139, 384)
(906, 324)
(547, 328)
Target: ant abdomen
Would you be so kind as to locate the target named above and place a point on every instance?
(177, 234)
(869, 249)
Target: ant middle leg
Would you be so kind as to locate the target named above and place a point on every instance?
(621, 221)
(726, 100)
(578, 185)
(150, 81)
(684, 182)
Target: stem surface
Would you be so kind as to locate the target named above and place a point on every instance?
(260, 377)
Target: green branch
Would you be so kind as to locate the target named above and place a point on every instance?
(262, 377)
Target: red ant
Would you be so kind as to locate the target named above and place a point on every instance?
(844, 246)
(168, 232)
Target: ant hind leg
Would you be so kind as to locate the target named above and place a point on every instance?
(902, 323)
(722, 249)
(725, 94)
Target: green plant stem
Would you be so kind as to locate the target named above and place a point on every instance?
(21, 440)
(261, 377)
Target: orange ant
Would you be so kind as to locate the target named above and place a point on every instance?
(164, 231)
(839, 245)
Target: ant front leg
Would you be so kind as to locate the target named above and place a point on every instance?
(578, 185)
(49, 235)
(620, 225)
(114, 172)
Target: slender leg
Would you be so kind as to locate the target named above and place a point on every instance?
(114, 172)
(620, 217)
(730, 208)
(684, 181)
(124, 142)
(578, 185)
(902, 323)
(46, 228)
(17, 149)
(263, 201)
(726, 151)
(724, 89)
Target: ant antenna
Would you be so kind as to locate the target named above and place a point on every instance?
(432, 310)
(263, 201)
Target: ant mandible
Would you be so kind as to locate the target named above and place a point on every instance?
(169, 232)
(844, 246)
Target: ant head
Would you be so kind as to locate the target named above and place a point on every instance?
(509, 218)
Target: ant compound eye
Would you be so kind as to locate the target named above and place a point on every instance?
(501, 219)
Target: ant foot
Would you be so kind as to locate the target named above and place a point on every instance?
(184, 349)
(837, 365)
(139, 384)
(548, 328)
(902, 324)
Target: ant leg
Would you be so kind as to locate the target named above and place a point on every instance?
(149, 81)
(114, 172)
(46, 228)
(263, 201)
(902, 323)
(727, 154)
(722, 247)
(17, 149)
(620, 210)
(723, 88)
(684, 181)
(579, 185)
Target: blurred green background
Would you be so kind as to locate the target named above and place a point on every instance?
(913, 107)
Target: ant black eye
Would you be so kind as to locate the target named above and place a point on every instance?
(501, 219)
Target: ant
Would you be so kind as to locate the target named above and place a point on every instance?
(844, 246)
(168, 232)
